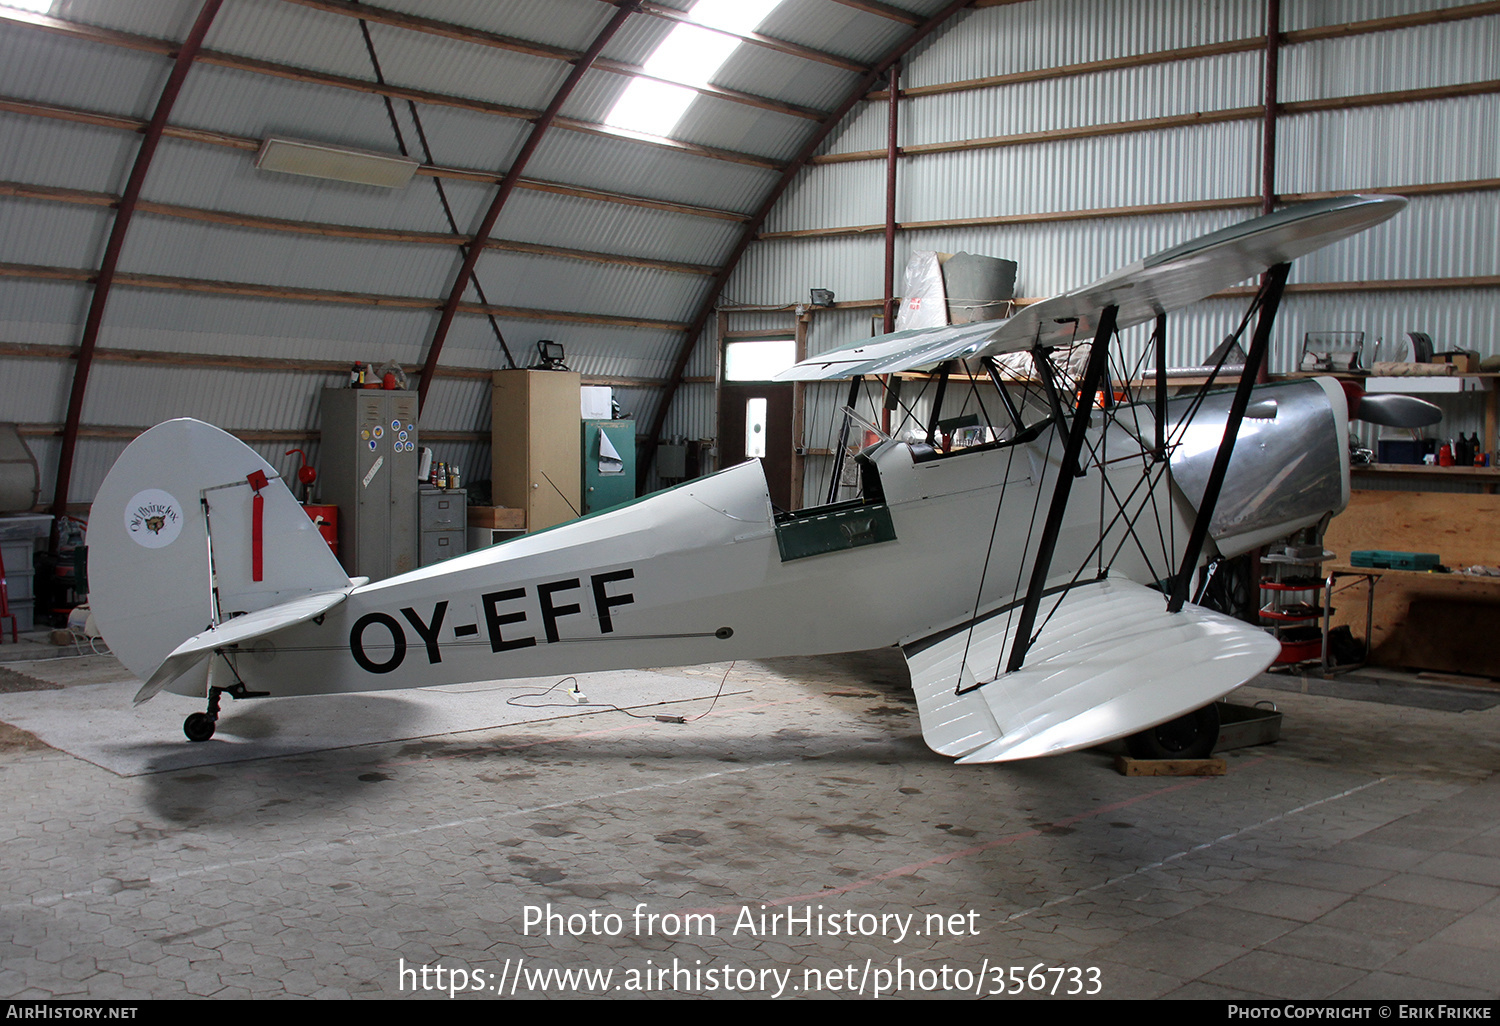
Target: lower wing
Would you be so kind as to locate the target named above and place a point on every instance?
(1108, 662)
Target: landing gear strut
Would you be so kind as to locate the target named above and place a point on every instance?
(200, 726)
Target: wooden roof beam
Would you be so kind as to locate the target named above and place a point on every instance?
(1252, 43)
(325, 79)
(480, 37)
(237, 142)
(1206, 117)
(304, 295)
(270, 365)
(23, 190)
(881, 10)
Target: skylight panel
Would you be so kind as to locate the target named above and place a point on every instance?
(690, 55)
(651, 107)
(732, 15)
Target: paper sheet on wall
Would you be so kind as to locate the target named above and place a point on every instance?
(609, 457)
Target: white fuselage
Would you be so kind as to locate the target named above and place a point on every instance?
(695, 574)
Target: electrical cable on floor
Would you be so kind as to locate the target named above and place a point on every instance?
(580, 701)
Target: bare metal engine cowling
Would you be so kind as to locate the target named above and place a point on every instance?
(1290, 465)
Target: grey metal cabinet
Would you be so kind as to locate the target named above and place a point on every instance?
(369, 470)
(444, 519)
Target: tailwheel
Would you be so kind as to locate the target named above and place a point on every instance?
(198, 727)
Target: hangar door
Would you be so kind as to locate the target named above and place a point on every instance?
(755, 414)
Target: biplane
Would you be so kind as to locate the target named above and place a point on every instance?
(1038, 578)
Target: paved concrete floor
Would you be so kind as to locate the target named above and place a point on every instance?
(1357, 858)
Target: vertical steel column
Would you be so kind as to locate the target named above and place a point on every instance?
(1070, 467)
(1268, 134)
(891, 154)
(106, 276)
(799, 416)
(1270, 300)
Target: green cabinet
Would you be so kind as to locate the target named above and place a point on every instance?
(608, 463)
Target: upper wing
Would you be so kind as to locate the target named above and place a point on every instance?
(1109, 662)
(902, 350)
(1166, 281)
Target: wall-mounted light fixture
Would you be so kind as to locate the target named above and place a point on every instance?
(339, 163)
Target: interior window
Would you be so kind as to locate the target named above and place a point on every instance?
(758, 360)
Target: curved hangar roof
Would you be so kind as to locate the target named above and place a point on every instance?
(171, 181)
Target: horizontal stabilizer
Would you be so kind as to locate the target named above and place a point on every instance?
(232, 632)
(1110, 661)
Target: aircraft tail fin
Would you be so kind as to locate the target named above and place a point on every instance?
(191, 528)
(1111, 661)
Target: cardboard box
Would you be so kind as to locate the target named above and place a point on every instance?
(1463, 363)
(501, 518)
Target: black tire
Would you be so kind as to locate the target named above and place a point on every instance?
(1192, 736)
(198, 727)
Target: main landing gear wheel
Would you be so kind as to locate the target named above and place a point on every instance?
(1192, 736)
(198, 727)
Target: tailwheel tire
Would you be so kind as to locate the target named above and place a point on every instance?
(1192, 736)
(198, 727)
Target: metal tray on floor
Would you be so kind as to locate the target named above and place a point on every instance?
(1243, 726)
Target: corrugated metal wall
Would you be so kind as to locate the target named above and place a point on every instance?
(1445, 235)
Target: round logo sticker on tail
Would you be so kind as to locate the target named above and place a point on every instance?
(153, 518)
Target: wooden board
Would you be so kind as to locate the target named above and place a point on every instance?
(501, 518)
(1421, 620)
(1461, 529)
(1170, 767)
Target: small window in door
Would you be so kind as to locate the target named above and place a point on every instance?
(755, 429)
(758, 360)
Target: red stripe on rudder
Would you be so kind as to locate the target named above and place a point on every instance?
(257, 481)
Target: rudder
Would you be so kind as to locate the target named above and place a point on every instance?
(173, 537)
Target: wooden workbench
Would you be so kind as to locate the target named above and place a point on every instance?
(1444, 622)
